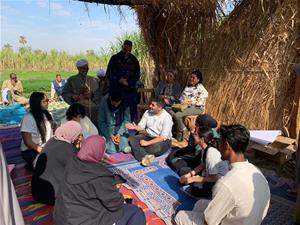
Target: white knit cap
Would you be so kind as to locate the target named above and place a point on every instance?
(82, 62)
(100, 73)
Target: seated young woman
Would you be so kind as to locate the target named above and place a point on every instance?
(191, 155)
(51, 163)
(169, 89)
(77, 113)
(205, 175)
(36, 127)
(88, 192)
(113, 115)
(194, 96)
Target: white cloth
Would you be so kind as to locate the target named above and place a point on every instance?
(88, 128)
(10, 212)
(197, 94)
(157, 124)
(241, 197)
(28, 125)
(214, 165)
(5, 95)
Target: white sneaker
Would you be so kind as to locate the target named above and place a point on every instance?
(147, 160)
(127, 149)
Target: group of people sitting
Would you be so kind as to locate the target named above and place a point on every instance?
(68, 160)
(70, 171)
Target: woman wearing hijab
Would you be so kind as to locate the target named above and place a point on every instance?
(88, 194)
(51, 164)
(112, 117)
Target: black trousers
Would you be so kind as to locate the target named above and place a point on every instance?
(201, 190)
(182, 159)
(42, 190)
(139, 151)
(29, 156)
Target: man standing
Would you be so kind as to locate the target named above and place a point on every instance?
(83, 89)
(103, 82)
(57, 86)
(155, 136)
(12, 90)
(123, 71)
(242, 196)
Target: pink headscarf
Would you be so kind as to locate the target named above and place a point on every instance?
(92, 149)
(68, 131)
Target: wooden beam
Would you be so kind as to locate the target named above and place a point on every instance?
(120, 2)
(295, 118)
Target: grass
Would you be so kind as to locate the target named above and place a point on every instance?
(37, 81)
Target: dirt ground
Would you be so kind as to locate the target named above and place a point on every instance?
(286, 170)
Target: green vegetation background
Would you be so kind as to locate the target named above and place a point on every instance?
(37, 69)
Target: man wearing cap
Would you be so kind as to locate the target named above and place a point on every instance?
(103, 82)
(83, 89)
(123, 71)
(12, 90)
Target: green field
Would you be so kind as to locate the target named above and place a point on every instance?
(36, 81)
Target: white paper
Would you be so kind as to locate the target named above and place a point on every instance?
(264, 137)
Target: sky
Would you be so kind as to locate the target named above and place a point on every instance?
(64, 25)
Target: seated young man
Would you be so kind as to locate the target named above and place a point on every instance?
(155, 136)
(57, 87)
(190, 156)
(113, 115)
(242, 196)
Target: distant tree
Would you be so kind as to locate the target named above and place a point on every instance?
(23, 40)
(7, 46)
(90, 52)
(38, 52)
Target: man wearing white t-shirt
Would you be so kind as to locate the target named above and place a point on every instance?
(155, 136)
(242, 196)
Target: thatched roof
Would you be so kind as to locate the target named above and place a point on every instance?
(152, 2)
(247, 58)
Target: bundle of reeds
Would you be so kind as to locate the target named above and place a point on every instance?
(249, 65)
(247, 59)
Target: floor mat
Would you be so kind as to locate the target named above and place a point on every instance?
(10, 139)
(157, 191)
(159, 188)
(39, 214)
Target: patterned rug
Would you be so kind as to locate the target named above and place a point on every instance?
(39, 214)
(10, 139)
(282, 204)
(154, 188)
(159, 188)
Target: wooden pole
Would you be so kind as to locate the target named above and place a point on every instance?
(295, 118)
